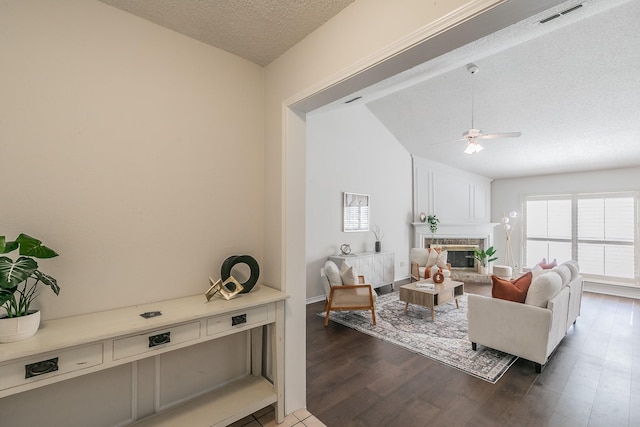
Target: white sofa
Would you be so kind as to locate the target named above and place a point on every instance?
(531, 330)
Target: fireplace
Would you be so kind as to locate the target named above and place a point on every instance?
(459, 251)
(460, 256)
(459, 240)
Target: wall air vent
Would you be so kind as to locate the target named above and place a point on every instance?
(559, 14)
(353, 99)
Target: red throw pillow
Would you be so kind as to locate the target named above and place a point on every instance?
(511, 290)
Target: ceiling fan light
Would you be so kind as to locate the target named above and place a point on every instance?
(473, 148)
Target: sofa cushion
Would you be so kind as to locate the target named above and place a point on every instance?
(574, 268)
(564, 273)
(348, 274)
(543, 288)
(511, 290)
(332, 272)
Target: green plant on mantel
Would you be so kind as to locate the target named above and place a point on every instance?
(19, 279)
(433, 223)
(485, 256)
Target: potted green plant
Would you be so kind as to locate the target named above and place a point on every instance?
(484, 257)
(433, 225)
(19, 282)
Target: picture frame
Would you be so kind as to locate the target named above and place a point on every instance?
(355, 212)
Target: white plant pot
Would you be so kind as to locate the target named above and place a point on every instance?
(482, 269)
(14, 329)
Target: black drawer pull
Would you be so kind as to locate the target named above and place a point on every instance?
(239, 319)
(159, 339)
(40, 368)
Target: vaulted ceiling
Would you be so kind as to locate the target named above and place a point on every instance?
(569, 85)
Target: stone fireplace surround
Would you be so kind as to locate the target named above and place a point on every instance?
(467, 235)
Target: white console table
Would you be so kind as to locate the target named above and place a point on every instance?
(75, 346)
(378, 268)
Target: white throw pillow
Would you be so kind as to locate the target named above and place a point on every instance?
(442, 259)
(348, 274)
(564, 273)
(333, 273)
(432, 258)
(543, 288)
(574, 268)
(537, 271)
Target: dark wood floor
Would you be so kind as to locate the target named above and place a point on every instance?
(593, 378)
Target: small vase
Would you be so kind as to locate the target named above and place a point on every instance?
(378, 246)
(482, 269)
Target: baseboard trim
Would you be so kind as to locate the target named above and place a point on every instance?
(315, 299)
(610, 289)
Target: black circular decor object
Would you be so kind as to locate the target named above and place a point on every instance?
(231, 262)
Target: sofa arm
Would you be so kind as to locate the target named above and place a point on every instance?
(514, 328)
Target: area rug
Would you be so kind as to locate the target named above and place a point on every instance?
(444, 340)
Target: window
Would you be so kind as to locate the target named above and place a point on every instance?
(598, 230)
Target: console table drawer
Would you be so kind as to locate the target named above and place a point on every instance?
(156, 340)
(49, 365)
(239, 319)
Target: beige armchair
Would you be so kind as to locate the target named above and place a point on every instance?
(422, 259)
(346, 297)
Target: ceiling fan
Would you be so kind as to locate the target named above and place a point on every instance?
(473, 135)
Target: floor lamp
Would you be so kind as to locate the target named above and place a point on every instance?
(509, 223)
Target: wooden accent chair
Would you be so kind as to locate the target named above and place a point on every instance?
(341, 297)
(423, 257)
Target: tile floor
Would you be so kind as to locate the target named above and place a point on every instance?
(267, 418)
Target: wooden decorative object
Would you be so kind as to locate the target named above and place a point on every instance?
(223, 288)
(438, 277)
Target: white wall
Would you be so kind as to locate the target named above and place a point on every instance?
(135, 152)
(363, 35)
(348, 149)
(507, 196)
(453, 195)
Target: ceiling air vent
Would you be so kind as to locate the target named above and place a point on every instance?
(559, 14)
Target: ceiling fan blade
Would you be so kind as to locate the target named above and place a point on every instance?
(501, 135)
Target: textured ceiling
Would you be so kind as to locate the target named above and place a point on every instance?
(570, 86)
(257, 30)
